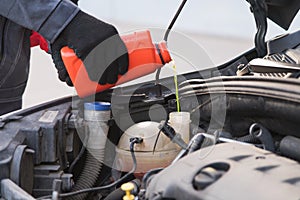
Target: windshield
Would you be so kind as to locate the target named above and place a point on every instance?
(206, 34)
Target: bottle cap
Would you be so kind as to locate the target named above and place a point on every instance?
(97, 106)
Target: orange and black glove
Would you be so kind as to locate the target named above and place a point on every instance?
(37, 40)
(95, 42)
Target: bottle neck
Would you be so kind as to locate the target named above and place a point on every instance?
(163, 53)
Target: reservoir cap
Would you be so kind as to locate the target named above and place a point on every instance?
(97, 106)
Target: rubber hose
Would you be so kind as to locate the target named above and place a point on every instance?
(248, 139)
(290, 147)
(147, 177)
(116, 195)
(90, 173)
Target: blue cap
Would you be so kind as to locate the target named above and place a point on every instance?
(97, 106)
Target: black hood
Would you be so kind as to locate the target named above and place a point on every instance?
(282, 12)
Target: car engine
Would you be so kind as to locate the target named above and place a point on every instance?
(235, 135)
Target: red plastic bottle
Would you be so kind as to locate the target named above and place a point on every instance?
(144, 58)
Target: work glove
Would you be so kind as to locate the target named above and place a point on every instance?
(97, 44)
(37, 40)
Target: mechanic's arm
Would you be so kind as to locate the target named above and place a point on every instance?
(63, 24)
(48, 17)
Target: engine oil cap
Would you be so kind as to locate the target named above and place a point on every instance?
(97, 106)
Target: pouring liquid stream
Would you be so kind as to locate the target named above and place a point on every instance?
(176, 85)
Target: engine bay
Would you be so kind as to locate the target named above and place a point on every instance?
(229, 132)
(236, 137)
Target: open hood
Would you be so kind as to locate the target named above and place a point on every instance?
(282, 12)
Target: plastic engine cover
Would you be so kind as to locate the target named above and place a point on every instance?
(228, 171)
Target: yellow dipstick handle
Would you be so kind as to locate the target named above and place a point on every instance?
(127, 188)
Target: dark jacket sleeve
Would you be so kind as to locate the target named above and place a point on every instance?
(48, 17)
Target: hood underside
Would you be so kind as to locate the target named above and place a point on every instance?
(282, 12)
